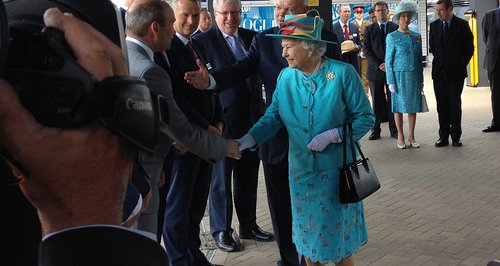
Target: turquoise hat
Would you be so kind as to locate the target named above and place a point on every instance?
(406, 6)
(302, 27)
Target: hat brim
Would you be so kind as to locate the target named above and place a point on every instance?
(414, 16)
(297, 37)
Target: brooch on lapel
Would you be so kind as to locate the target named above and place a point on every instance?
(330, 75)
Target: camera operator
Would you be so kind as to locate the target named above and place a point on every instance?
(77, 177)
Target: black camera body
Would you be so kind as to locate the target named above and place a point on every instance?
(59, 92)
(51, 85)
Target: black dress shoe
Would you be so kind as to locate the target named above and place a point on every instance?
(225, 242)
(441, 142)
(491, 129)
(456, 143)
(374, 136)
(256, 233)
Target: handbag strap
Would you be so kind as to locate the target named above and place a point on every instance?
(348, 130)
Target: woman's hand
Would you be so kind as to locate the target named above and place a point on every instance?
(392, 88)
(322, 140)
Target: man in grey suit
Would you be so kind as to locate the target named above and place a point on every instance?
(491, 37)
(150, 29)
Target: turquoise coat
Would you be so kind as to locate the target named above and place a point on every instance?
(307, 105)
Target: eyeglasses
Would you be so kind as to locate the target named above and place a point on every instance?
(359, 12)
(227, 13)
(288, 10)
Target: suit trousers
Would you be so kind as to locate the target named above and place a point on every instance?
(494, 77)
(381, 103)
(244, 173)
(148, 219)
(278, 197)
(448, 91)
(185, 208)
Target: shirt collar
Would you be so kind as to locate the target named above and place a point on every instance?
(143, 45)
(235, 34)
(183, 39)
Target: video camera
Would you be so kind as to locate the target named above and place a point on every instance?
(58, 92)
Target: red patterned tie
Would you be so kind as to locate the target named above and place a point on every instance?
(189, 45)
(346, 32)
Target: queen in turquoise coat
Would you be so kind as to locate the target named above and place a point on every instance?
(314, 98)
(404, 71)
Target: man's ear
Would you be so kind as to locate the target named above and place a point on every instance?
(154, 28)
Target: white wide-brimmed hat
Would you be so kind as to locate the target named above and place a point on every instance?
(406, 6)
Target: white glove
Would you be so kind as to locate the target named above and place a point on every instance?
(246, 142)
(392, 88)
(320, 141)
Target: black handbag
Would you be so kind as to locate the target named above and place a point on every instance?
(357, 179)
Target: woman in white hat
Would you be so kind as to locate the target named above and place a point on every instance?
(314, 98)
(404, 71)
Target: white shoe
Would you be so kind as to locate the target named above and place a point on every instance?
(401, 146)
(414, 144)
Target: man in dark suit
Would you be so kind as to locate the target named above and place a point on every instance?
(374, 50)
(451, 43)
(149, 30)
(242, 105)
(491, 37)
(189, 182)
(347, 31)
(264, 57)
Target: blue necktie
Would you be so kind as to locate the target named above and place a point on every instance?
(236, 47)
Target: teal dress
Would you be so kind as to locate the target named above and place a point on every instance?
(323, 229)
(403, 64)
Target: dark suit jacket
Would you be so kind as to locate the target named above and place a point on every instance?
(374, 49)
(264, 57)
(242, 104)
(349, 57)
(491, 37)
(100, 245)
(451, 55)
(200, 106)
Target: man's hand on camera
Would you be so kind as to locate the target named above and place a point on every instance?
(76, 176)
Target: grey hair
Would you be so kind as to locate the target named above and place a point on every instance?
(318, 47)
(173, 3)
(140, 17)
(215, 3)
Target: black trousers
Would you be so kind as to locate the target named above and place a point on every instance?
(494, 77)
(448, 91)
(381, 104)
(278, 197)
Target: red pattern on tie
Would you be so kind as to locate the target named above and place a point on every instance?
(346, 32)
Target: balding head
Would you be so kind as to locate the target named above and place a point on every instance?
(142, 13)
(151, 21)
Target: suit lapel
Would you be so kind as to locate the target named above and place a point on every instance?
(222, 43)
(340, 32)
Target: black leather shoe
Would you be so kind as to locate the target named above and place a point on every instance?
(374, 136)
(225, 242)
(256, 233)
(491, 129)
(441, 142)
(456, 143)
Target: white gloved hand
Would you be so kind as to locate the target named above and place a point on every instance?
(320, 141)
(246, 142)
(392, 88)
